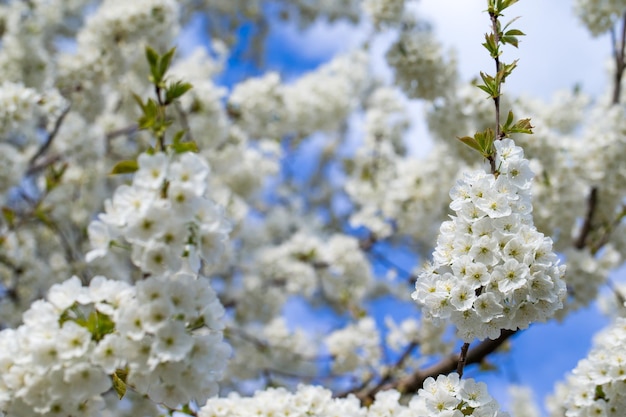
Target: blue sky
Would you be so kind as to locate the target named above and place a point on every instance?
(557, 53)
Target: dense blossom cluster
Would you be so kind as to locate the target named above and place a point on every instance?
(599, 15)
(23, 111)
(107, 50)
(391, 187)
(320, 100)
(597, 386)
(164, 331)
(448, 395)
(355, 346)
(421, 68)
(163, 336)
(384, 12)
(164, 215)
(491, 268)
(306, 264)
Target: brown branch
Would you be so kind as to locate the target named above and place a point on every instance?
(128, 130)
(44, 146)
(592, 202)
(496, 99)
(462, 359)
(620, 65)
(412, 383)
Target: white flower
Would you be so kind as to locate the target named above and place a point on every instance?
(462, 296)
(510, 276)
(152, 170)
(492, 248)
(171, 344)
(64, 295)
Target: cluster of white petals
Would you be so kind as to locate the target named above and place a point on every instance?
(23, 111)
(522, 402)
(597, 386)
(307, 263)
(586, 274)
(320, 100)
(355, 346)
(107, 46)
(491, 268)
(446, 396)
(164, 215)
(389, 187)
(384, 12)
(599, 16)
(421, 68)
(163, 335)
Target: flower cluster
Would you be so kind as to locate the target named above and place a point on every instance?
(23, 111)
(384, 12)
(163, 338)
(355, 346)
(597, 386)
(448, 395)
(106, 50)
(306, 263)
(599, 16)
(320, 100)
(491, 268)
(421, 70)
(164, 215)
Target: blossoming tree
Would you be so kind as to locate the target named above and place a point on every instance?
(160, 230)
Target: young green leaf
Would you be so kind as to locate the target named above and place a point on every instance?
(176, 90)
(119, 382)
(471, 142)
(182, 147)
(152, 56)
(166, 60)
(522, 126)
(125, 167)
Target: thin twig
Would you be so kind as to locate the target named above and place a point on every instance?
(462, 358)
(620, 65)
(184, 121)
(592, 202)
(412, 383)
(496, 99)
(128, 130)
(44, 146)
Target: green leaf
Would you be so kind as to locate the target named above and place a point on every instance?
(125, 167)
(491, 45)
(9, 215)
(139, 101)
(165, 61)
(151, 112)
(490, 86)
(485, 142)
(182, 147)
(514, 32)
(522, 126)
(98, 324)
(509, 118)
(176, 90)
(505, 71)
(152, 56)
(471, 142)
(511, 40)
(178, 136)
(119, 382)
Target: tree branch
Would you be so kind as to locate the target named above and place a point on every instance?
(44, 146)
(592, 202)
(620, 65)
(412, 383)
